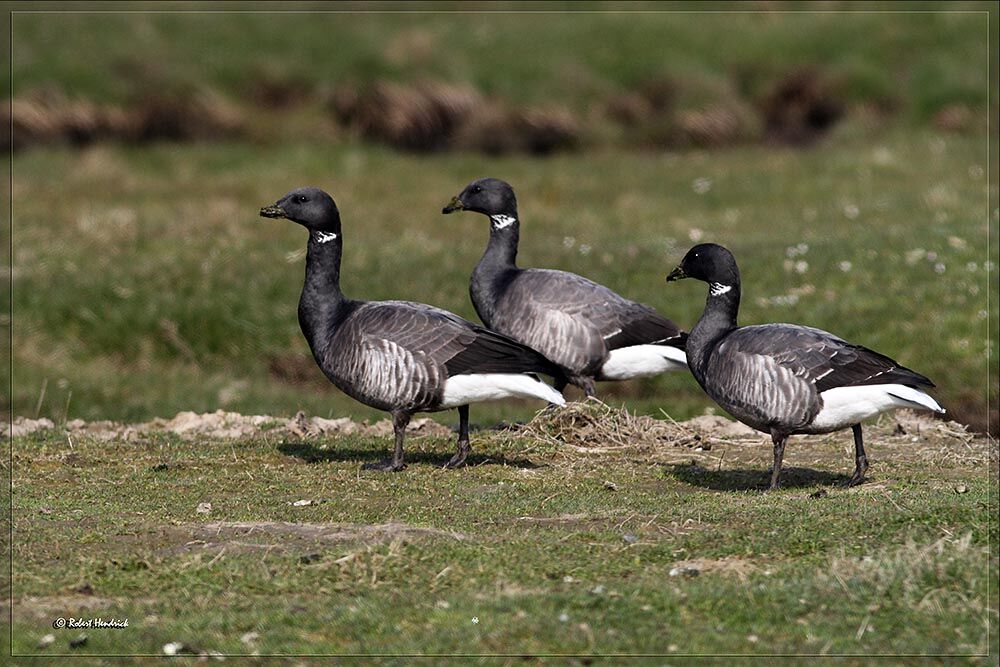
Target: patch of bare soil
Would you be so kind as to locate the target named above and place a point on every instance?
(730, 565)
(229, 425)
(244, 536)
(591, 428)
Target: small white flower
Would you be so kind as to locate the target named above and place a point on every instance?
(851, 211)
(695, 234)
(475, 620)
(568, 241)
(975, 171)
(845, 266)
(173, 648)
(801, 266)
(584, 249)
(939, 267)
(564, 617)
(701, 185)
(971, 266)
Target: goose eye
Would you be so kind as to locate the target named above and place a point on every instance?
(476, 190)
(301, 199)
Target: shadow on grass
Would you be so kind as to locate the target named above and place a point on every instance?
(312, 454)
(744, 479)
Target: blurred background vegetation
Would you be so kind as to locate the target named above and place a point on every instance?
(842, 155)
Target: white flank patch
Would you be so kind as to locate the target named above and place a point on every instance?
(502, 221)
(845, 406)
(473, 388)
(324, 237)
(717, 289)
(642, 360)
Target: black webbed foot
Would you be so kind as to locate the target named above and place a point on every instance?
(385, 465)
(458, 460)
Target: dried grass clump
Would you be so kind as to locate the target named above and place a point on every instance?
(432, 116)
(716, 125)
(49, 117)
(651, 99)
(800, 107)
(422, 117)
(539, 131)
(46, 117)
(593, 426)
(202, 116)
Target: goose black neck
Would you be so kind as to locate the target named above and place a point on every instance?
(321, 296)
(719, 318)
(501, 251)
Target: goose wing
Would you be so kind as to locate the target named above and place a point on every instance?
(400, 354)
(820, 358)
(445, 339)
(575, 321)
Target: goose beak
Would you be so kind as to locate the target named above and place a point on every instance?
(676, 274)
(272, 212)
(454, 205)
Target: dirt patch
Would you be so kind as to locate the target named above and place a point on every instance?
(587, 429)
(730, 565)
(285, 536)
(230, 425)
(22, 426)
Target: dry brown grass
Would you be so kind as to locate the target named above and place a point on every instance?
(432, 116)
(49, 117)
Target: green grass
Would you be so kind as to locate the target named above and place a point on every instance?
(529, 541)
(145, 283)
(918, 61)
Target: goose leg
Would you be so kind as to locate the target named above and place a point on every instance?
(779, 440)
(458, 459)
(399, 421)
(860, 458)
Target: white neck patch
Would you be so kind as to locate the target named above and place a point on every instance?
(325, 237)
(502, 221)
(718, 289)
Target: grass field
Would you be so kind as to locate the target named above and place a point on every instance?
(916, 60)
(538, 547)
(145, 284)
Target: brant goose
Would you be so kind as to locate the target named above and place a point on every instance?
(399, 356)
(591, 332)
(786, 379)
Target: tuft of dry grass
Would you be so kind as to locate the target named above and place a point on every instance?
(49, 117)
(432, 116)
(593, 427)
(421, 117)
